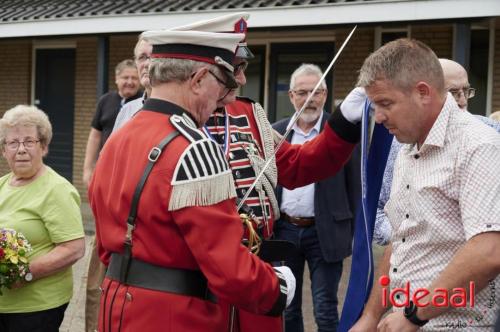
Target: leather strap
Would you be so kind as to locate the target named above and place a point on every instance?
(298, 221)
(159, 278)
(153, 156)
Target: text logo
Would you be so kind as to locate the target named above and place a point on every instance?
(441, 297)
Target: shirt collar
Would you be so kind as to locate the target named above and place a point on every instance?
(296, 128)
(437, 134)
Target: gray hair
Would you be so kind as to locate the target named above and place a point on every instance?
(306, 69)
(122, 65)
(25, 115)
(139, 40)
(403, 62)
(165, 70)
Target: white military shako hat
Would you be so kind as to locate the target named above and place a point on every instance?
(210, 47)
(232, 23)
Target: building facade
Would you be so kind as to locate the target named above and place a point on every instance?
(62, 58)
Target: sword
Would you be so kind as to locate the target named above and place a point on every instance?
(297, 115)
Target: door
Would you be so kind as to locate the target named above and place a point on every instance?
(478, 70)
(55, 95)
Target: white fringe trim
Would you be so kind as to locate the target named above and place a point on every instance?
(202, 192)
(267, 134)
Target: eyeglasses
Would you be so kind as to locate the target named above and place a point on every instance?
(14, 145)
(305, 93)
(142, 58)
(240, 67)
(468, 92)
(223, 83)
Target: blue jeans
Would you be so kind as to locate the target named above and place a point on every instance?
(324, 276)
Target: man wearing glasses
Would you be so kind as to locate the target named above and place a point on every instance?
(457, 82)
(317, 218)
(167, 264)
(240, 126)
(142, 59)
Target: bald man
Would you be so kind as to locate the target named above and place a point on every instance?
(456, 82)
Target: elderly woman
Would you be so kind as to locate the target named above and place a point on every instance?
(45, 207)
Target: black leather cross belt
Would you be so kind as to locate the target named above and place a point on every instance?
(298, 221)
(170, 280)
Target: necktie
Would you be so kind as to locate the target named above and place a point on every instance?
(372, 169)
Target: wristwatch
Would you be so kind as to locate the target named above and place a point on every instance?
(410, 313)
(28, 277)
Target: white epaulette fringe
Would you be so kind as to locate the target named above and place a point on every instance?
(202, 192)
(270, 180)
(202, 175)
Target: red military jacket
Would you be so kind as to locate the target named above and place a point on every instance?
(186, 219)
(244, 132)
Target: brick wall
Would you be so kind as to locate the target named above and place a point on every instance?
(437, 37)
(346, 70)
(85, 102)
(15, 81)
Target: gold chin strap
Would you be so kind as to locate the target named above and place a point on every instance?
(253, 242)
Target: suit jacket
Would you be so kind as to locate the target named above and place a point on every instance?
(335, 202)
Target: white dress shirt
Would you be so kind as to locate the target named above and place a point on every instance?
(300, 201)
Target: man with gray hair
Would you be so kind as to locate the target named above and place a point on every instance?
(163, 198)
(317, 218)
(444, 203)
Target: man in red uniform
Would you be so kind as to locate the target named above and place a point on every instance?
(165, 213)
(242, 130)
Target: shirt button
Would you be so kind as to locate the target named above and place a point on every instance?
(243, 192)
(407, 186)
(231, 155)
(416, 156)
(238, 174)
(407, 216)
(403, 239)
(394, 270)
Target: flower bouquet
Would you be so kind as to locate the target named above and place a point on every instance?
(14, 249)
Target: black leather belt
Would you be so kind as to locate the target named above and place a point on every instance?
(297, 221)
(170, 280)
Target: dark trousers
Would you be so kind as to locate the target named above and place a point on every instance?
(37, 321)
(324, 276)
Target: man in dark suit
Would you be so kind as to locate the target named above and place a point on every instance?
(318, 218)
